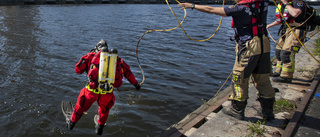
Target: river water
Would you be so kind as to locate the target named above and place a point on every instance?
(40, 45)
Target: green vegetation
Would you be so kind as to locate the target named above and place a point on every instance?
(284, 105)
(281, 105)
(205, 102)
(272, 59)
(316, 50)
(257, 128)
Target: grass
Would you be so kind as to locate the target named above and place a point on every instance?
(205, 102)
(257, 129)
(272, 59)
(281, 105)
(316, 50)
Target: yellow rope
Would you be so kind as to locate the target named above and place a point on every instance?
(273, 38)
(185, 30)
(295, 33)
(293, 28)
(179, 25)
(143, 75)
(223, 84)
(203, 39)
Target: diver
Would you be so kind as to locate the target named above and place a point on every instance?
(100, 86)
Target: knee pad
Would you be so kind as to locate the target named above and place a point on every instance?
(285, 56)
(277, 53)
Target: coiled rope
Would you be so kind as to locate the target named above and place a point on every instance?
(179, 25)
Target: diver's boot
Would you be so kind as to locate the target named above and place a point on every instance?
(267, 108)
(99, 129)
(70, 124)
(236, 109)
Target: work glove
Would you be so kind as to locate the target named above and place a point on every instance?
(137, 86)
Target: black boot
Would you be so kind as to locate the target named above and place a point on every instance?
(99, 129)
(236, 110)
(70, 124)
(267, 108)
(282, 79)
(275, 74)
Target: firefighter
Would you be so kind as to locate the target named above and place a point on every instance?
(253, 54)
(94, 91)
(288, 45)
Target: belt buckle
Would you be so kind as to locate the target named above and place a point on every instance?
(103, 92)
(95, 91)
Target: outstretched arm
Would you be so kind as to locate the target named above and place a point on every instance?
(275, 23)
(129, 75)
(207, 9)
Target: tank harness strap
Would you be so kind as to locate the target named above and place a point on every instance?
(257, 28)
(282, 12)
(261, 25)
(287, 19)
(256, 25)
(98, 91)
(283, 21)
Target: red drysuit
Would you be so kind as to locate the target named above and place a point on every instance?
(87, 97)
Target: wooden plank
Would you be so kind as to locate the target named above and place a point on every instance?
(197, 118)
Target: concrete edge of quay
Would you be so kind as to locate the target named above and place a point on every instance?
(200, 116)
(292, 126)
(39, 2)
(47, 2)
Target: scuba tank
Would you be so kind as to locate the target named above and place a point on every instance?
(113, 57)
(107, 70)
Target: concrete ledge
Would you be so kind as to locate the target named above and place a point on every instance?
(198, 117)
(291, 128)
(209, 121)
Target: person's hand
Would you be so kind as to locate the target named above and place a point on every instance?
(185, 5)
(93, 74)
(268, 26)
(137, 86)
(93, 84)
(93, 77)
(284, 1)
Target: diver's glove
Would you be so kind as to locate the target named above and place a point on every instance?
(93, 78)
(137, 86)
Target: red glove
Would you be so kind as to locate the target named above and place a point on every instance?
(93, 76)
(96, 59)
(81, 66)
(84, 63)
(93, 85)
